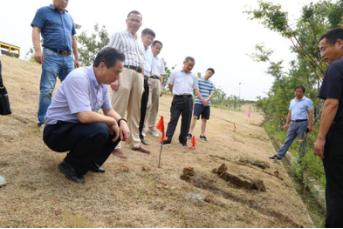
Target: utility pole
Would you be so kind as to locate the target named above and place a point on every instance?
(239, 91)
(239, 95)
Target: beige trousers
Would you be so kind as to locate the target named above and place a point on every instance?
(153, 101)
(127, 101)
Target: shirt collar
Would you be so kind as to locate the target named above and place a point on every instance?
(300, 99)
(91, 75)
(52, 6)
(131, 35)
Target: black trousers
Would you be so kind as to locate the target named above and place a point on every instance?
(87, 143)
(181, 105)
(144, 103)
(333, 165)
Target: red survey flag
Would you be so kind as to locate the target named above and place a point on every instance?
(160, 126)
(194, 142)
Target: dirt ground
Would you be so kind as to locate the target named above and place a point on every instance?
(134, 192)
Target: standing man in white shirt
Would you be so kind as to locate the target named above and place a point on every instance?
(182, 84)
(127, 94)
(155, 85)
(148, 37)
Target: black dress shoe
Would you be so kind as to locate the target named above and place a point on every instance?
(166, 142)
(275, 157)
(183, 143)
(96, 168)
(70, 173)
(144, 142)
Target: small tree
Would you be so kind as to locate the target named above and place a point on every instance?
(91, 44)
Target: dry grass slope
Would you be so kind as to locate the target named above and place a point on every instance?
(135, 193)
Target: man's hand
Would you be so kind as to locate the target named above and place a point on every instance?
(115, 85)
(124, 130)
(309, 128)
(39, 57)
(204, 102)
(76, 63)
(319, 147)
(115, 130)
(285, 126)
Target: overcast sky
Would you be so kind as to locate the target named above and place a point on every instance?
(216, 32)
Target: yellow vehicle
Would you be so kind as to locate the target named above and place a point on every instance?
(9, 50)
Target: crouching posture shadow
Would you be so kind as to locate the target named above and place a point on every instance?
(72, 121)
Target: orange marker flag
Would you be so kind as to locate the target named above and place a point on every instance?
(160, 126)
(194, 142)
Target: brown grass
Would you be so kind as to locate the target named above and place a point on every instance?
(127, 195)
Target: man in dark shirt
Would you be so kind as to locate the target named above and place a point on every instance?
(57, 29)
(329, 142)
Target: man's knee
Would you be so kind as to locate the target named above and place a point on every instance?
(46, 91)
(100, 130)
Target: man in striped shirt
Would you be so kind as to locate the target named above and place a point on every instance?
(127, 94)
(202, 106)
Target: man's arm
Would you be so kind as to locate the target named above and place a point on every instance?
(170, 86)
(211, 95)
(75, 52)
(288, 120)
(36, 44)
(198, 94)
(94, 117)
(310, 119)
(124, 131)
(328, 114)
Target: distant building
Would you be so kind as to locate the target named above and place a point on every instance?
(9, 49)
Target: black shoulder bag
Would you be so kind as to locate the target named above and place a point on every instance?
(4, 101)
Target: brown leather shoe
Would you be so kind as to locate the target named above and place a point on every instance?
(119, 153)
(140, 149)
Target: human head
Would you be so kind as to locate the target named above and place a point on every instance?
(133, 21)
(209, 73)
(188, 64)
(299, 91)
(148, 36)
(156, 47)
(60, 5)
(107, 65)
(331, 45)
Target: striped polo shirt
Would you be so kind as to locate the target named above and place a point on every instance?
(205, 87)
(129, 45)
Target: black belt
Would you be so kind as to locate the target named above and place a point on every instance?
(61, 52)
(137, 69)
(299, 120)
(155, 77)
(183, 96)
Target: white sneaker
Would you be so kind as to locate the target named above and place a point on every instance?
(154, 133)
(2, 181)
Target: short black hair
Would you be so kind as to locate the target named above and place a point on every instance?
(148, 31)
(211, 69)
(300, 87)
(333, 35)
(157, 42)
(189, 58)
(109, 56)
(133, 12)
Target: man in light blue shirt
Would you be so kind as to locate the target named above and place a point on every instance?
(299, 120)
(73, 123)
